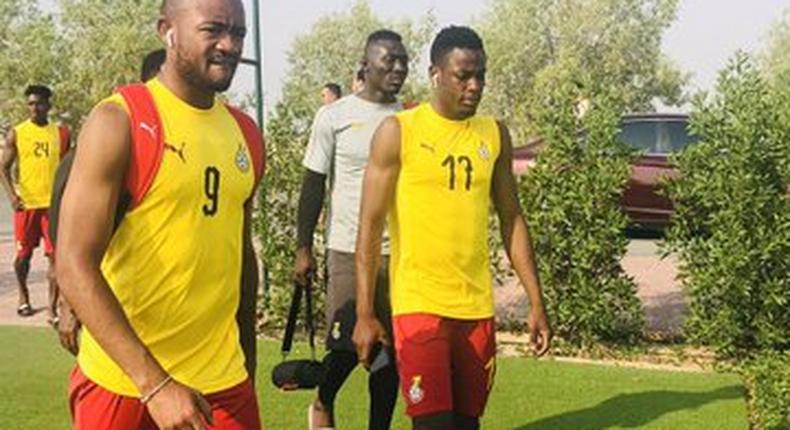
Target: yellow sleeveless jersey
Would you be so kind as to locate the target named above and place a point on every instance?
(439, 221)
(38, 154)
(175, 261)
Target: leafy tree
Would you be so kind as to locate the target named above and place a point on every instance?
(776, 63)
(616, 42)
(92, 47)
(28, 54)
(329, 52)
(103, 46)
(732, 224)
(572, 201)
(776, 55)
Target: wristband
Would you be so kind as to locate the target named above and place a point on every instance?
(147, 398)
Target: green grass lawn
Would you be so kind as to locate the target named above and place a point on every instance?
(528, 394)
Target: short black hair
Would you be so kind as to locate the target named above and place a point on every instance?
(335, 88)
(381, 35)
(453, 37)
(39, 90)
(151, 64)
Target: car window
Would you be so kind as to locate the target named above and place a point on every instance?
(639, 135)
(679, 135)
(660, 137)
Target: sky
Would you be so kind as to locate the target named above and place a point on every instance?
(705, 34)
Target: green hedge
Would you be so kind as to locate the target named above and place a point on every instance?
(768, 380)
(572, 201)
(731, 229)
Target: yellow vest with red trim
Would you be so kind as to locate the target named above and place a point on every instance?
(439, 221)
(39, 149)
(174, 263)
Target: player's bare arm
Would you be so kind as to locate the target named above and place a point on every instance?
(518, 244)
(7, 158)
(245, 316)
(378, 190)
(85, 228)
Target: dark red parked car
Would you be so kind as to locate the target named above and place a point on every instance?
(656, 135)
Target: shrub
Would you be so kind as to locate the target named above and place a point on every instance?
(276, 220)
(572, 201)
(731, 229)
(768, 380)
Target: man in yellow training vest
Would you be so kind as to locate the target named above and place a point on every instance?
(159, 296)
(435, 170)
(36, 146)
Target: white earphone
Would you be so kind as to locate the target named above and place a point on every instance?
(435, 80)
(169, 38)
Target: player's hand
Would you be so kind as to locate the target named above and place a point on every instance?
(68, 327)
(178, 407)
(16, 203)
(539, 331)
(304, 266)
(367, 332)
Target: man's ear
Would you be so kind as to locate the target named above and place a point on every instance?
(165, 31)
(433, 73)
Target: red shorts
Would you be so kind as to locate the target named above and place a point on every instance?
(30, 225)
(94, 408)
(445, 365)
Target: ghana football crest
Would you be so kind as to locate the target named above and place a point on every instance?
(483, 151)
(416, 392)
(242, 161)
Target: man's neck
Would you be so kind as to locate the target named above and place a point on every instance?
(376, 96)
(192, 96)
(40, 121)
(447, 113)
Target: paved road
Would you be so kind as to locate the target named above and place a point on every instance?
(5, 215)
(658, 288)
(8, 285)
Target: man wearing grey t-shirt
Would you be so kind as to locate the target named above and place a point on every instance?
(338, 148)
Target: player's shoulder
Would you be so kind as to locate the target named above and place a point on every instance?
(487, 123)
(406, 117)
(21, 126)
(341, 106)
(339, 111)
(113, 103)
(485, 119)
(109, 120)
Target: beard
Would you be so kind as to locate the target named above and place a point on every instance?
(200, 78)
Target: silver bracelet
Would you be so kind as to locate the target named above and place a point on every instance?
(147, 398)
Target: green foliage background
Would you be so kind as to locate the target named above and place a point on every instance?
(732, 224)
(768, 378)
(572, 201)
(615, 42)
(82, 53)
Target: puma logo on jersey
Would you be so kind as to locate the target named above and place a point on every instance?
(150, 129)
(177, 151)
(351, 125)
(427, 146)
